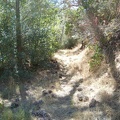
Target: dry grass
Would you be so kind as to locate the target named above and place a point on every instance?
(99, 85)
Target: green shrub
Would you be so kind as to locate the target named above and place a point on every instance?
(20, 114)
(1, 107)
(7, 115)
(96, 59)
(70, 43)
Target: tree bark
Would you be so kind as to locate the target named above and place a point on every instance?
(18, 36)
(19, 52)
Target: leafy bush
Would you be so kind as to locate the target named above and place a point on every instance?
(7, 115)
(39, 31)
(70, 43)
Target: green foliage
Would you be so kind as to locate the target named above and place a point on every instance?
(7, 93)
(72, 21)
(40, 40)
(96, 59)
(39, 27)
(105, 10)
(7, 115)
(1, 107)
(87, 3)
(69, 27)
(19, 114)
(70, 43)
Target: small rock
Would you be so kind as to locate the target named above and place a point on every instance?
(86, 99)
(41, 113)
(76, 85)
(69, 112)
(92, 103)
(17, 100)
(53, 95)
(44, 92)
(60, 75)
(50, 91)
(91, 90)
(40, 102)
(15, 104)
(80, 98)
(79, 95)
(81, 80)
(79, 89)
(52, 87)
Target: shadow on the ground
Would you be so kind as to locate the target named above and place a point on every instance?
(63, 106)
(112, 47)
(109, 47)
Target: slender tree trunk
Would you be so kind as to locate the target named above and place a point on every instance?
(19, 52)
(18, 37)
(61, 39)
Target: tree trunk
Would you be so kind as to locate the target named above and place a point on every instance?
(18, 37)
(19, 52)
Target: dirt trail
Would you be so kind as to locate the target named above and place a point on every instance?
(73, 92)
(63, 84)
(76, 93)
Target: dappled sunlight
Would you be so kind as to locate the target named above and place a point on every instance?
(72, 60)
(97, 86)
(60, 60)
(101, 89)
(72, 87)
